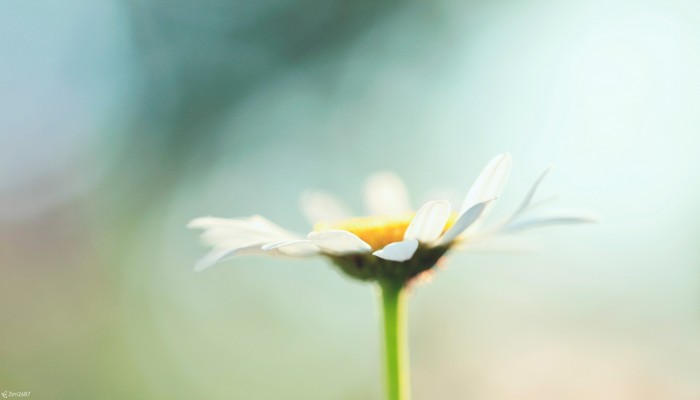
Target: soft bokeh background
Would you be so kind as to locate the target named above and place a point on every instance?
(122, 120)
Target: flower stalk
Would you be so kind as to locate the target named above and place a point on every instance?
(394, 299)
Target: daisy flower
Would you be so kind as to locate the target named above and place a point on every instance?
(391, 246)
(392, 242)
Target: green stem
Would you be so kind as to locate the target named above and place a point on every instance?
(394, 301)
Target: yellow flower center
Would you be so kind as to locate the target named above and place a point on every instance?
(377, 230)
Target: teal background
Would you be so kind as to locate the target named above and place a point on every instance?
(122, 120)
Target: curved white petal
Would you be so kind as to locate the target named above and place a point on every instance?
(429, 222)
(225, 237)
(489, 183)
(339, 242)
(527, 200)
(241, 236)
(292, 248)
(386, 194)
(256, 222)
(398, 251)
(547, 221)
(235, 237)
(320, 206)
(463, 222)
(222, 253)
(240, 232)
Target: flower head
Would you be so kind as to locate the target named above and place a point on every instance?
(393, 243)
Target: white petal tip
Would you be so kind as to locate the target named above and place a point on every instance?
(386, 194)
(197, 222)
(489, 182)
(398, 251)
(202, 265)
(339, 242)
(321, 206)
(549, 221)
(466, 220)
(429, 222)
(292, 248)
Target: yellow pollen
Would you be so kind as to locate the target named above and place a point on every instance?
(378, 231)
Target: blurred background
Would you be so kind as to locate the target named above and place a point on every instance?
(122, 120)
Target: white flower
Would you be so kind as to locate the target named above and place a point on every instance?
(392, 242)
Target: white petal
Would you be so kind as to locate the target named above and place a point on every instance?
(220, 254)
(339, 242)
(489, 183)
(529, 196)
(240, 232)
(452, 195)
(292, 248)
(429, 222)
(256, 222)
(239, 236)
(463, 222)
(320, 206)
(234, 237)
(547, 221)
(398, 251)
(210, 222)
(386, 194)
